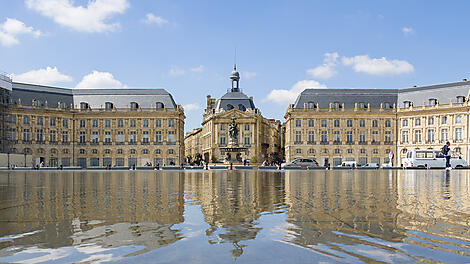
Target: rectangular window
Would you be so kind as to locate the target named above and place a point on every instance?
(222, 140)
(247, 127)
(120, 123)
(107, 123)
(417, 121)
(222, 127)
(120, 137)
(145, 123)
(39, 135)
(65, 123)
(26, 135)
(431, 121)
(388, 123)
(404, 137)
(375, 123)
(362, 123)
(171, 137)
(13, 134)
(298, 137)
(404, 122)
(324, 136)
(158, 137)
(12, 119)
(171, 123)
(94, 123)
(349, 123)
(26, 120)
(82, 123)
(158, 123)
(362, 137)
(40, 121)
(94, 137)
(298, 123)
(388, 136)
(65, 136)
(418, 136)
(336, 136)
(444, 120)
(133, 137)
(375, 136)
(336, 123)
(247, 140)
(431, 135)
(52, 121)
(323, 123)
(145, 137)
(52, 136)
(458, 119)
(119, 162)
(444, 135)
(82, 137)
(311, 136)
(132, 122)
(107, 137)
(311, 123)
(349, 136)
(458, 134)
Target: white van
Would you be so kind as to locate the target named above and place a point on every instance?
(428, 158)
(349, 164)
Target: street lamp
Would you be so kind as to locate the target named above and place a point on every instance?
(8, 155)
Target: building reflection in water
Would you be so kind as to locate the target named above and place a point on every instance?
(395, 216)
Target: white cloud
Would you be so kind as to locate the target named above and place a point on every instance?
(47, 76)
(91, 18)
(191, 107)
(381, 66)
(153, 19)
(327, 69)
(289, 96)
(176, 71)
(199, 68)
(11, 28)
(98, 79)
(408, 30)
(249, 75)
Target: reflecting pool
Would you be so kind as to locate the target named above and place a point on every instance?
(235, 216)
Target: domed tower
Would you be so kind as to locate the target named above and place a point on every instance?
(235, 77)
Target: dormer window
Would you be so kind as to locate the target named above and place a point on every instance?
(36, 102)
(432, 101)
(230, 107)
(407, 104)
(160, 105)
(387, 105)
(336, 105)
(362, 105)
(134, 106)
(460, 99)
(242, 107)
(62, 105)
(84, 106)
(108, 106)
(311, 105)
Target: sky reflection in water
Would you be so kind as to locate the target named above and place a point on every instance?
(241, 216)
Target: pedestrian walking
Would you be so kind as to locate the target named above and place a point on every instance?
(446, 152)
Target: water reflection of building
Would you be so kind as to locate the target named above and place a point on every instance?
(109, 210)
(322, 206)
(233, 202)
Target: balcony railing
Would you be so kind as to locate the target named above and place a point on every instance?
(362, 142)
(324, 143)
(336, 142)
(311, 142)
(375, 142)
(298, 142)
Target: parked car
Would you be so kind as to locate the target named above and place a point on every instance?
(304, 163)
(350, 164)
(428, 158)
(371, 165)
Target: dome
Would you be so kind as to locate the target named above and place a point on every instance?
(235, 74)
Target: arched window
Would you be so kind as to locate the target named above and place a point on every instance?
(242, 107)
(387, 105)
(160, 105)
(433, 101)
(336, 105)
(311, 105)
(27, 151)
(407, 104)
(108, 105)
(460, 99)
(134, 106)
(84, 105)
(62, 105)
(230, 107)
(36, 102)
(362, 105)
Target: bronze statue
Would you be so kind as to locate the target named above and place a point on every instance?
(233, 130)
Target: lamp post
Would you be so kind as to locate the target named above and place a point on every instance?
(8, 156)
(25, 159)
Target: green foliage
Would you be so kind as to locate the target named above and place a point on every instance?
(254, 160)
(214, 159)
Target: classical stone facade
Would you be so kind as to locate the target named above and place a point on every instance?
(260, 136)
(5, 90)
(97, 127)
(365, 125)
(192, 143)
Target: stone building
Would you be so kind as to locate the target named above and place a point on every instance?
(364, 125)
(5, 90)
(96, 127)
(260, 136)
(192, 144)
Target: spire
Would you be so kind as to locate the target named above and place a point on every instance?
(235, 77)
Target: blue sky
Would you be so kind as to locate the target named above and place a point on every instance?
(187, 47)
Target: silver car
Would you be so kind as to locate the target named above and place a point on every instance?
(300, 162)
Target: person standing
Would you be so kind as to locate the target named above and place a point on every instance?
(390, 157)
(446, 152)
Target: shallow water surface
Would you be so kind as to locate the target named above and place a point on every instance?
(235, 216)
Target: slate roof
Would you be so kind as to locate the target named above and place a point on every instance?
(418, 95)
(96, 98)
(234, 99)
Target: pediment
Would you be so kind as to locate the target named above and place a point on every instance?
(235, 113)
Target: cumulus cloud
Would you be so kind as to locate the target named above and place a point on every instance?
(289, 96)
(11, 28)
(408, 30)
(249, 75)
(191, 107)
(176, 71)
(98, 79)
(47, 76)
(381, 66)
(91, 18)
(327, 69)
(153, 19)
(199, 68)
